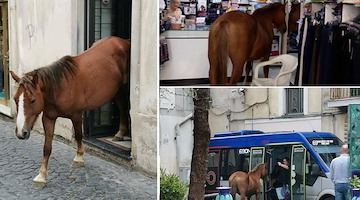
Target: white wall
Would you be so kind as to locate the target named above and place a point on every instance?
(175, 129)
(144, 85)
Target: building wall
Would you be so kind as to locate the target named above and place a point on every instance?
(334, 119)
(176, 129)
(144, 85)
(262, 109)
(42, 32)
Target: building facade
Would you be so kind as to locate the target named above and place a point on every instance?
(41, 32)
(265, 109)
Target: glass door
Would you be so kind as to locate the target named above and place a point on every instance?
(257, 157)
(297, 173)
(105, 18)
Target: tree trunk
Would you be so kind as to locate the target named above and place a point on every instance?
(201, 143)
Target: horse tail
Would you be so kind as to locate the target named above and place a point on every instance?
(218, 53)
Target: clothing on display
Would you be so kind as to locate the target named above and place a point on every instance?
(331, 52)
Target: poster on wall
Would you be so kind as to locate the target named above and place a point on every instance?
(201, 5)
(275, 47)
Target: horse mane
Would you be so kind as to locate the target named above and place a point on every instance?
(256, 168)
(50, 75)
(267, 8)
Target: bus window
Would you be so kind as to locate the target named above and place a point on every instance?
(233, 160)
(327, 148)
(298, 172)
(257, 157)
(313, 170)
(213, 170)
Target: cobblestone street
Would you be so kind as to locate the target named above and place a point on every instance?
(20, 161)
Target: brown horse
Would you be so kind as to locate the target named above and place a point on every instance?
(247, 184)
(70, 86)
(242, 37)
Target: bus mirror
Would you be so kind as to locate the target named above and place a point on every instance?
(315, 169)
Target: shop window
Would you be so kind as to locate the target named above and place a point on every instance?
(4, 55)
(294, 101)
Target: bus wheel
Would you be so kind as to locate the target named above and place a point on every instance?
(328, 198)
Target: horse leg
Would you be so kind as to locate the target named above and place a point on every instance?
(266, 68)
(233, 189)
(242, 191)
(238, 65)
(248, 68)
(123, 102)
(77, 123)
(49, 124)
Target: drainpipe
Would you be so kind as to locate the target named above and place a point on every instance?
(177, 133)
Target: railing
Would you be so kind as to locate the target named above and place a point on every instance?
(342, 93)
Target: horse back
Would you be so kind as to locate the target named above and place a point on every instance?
(101, 71)
(107, 52)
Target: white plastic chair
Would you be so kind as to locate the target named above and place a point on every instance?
(289, 64)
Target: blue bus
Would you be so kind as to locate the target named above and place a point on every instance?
(309, 154)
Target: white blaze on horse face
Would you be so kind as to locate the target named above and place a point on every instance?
(20, 120)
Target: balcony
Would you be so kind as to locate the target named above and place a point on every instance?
(340, 97)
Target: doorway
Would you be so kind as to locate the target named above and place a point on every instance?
(285, 182)
(106, 18)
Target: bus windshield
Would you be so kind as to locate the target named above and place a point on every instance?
(327, 148)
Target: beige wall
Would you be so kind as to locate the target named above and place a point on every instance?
(314, 100)
(261, 108)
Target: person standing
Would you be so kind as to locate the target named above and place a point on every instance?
(339, 174)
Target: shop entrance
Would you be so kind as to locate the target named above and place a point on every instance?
(106, 18)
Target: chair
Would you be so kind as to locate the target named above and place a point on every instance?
(289, 64)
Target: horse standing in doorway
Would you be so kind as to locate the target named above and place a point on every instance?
(70, 86)
(242, 37)
(247, 184)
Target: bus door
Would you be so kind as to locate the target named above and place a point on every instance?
(212, 177)
(257, 157)
(278, 184)
(298, 160)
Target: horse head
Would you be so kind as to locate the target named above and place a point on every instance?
(29, 103)
(294, 16)
(279, 18)
(263, 172)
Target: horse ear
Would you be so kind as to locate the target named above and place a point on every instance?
(35, 79)
(14, 76)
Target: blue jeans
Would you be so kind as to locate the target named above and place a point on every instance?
(342, 191)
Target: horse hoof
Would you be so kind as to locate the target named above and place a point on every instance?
(116, 138)
(38, 185)
(77, 164)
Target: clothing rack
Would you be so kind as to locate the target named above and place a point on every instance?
(330, 47)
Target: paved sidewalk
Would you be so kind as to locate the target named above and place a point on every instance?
(20, 161)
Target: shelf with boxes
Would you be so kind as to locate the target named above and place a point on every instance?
(200, 14)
